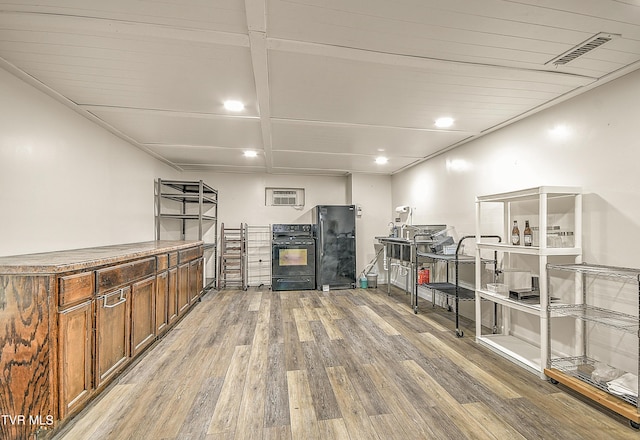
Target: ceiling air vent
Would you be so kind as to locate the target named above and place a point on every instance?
(583, 48)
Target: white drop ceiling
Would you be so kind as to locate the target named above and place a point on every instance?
(328, 85)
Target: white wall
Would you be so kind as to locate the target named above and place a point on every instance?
(242, 196)
(372, 193)
(599, 152)
(65, 182)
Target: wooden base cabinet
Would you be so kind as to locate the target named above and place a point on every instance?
(183, 288)
(143, 314)
(172, 298)
(162, 302)
(73, 320)
(75, 339)
(76, 309)
(112, 334)
(195, 280)
(200, 276)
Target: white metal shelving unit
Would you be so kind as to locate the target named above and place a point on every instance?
(525, 348)
(575, 371)
(188, 210)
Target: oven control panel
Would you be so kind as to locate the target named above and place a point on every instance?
(291, 229)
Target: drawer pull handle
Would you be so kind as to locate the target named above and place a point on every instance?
(120, 301)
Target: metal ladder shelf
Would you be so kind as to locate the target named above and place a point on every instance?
(233, 255)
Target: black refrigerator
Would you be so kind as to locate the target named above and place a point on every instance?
(335, 231)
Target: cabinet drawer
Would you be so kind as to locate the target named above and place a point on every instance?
(113, 277)
(162, 262)
(73, 289)
(173, 259)
(189, 254)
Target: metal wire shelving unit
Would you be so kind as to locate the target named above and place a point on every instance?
(576, 371)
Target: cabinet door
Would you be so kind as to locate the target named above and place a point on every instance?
(183, 287)
(172, 298)
(112, 334)
(162, 309)
(194, 288)
(200, 274)
(75, 339)
(143, 313)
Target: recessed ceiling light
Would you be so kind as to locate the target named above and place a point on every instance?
(233, 106)
(381, 160)
(444, 122)
(250, 153)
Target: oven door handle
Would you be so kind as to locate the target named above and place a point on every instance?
(297, 280)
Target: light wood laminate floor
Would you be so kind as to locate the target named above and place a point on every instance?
(353, 364)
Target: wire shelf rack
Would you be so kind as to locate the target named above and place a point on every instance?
(610, 318)
(581, 368)
(599, 270)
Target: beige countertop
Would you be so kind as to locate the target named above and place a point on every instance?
(77, 259)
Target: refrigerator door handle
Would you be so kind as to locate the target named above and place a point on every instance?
(320, 243)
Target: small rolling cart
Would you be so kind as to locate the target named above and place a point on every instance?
(452, 291)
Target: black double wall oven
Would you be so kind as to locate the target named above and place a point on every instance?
(293, 257)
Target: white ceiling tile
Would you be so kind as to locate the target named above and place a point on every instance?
(492, 32)
(132, 72)
(153, 127)
(328, 161)
(360, 139)
(324, 88)
(226, 15)
(207, 156)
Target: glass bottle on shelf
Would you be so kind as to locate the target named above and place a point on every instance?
(527, 234)
(515, 234)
